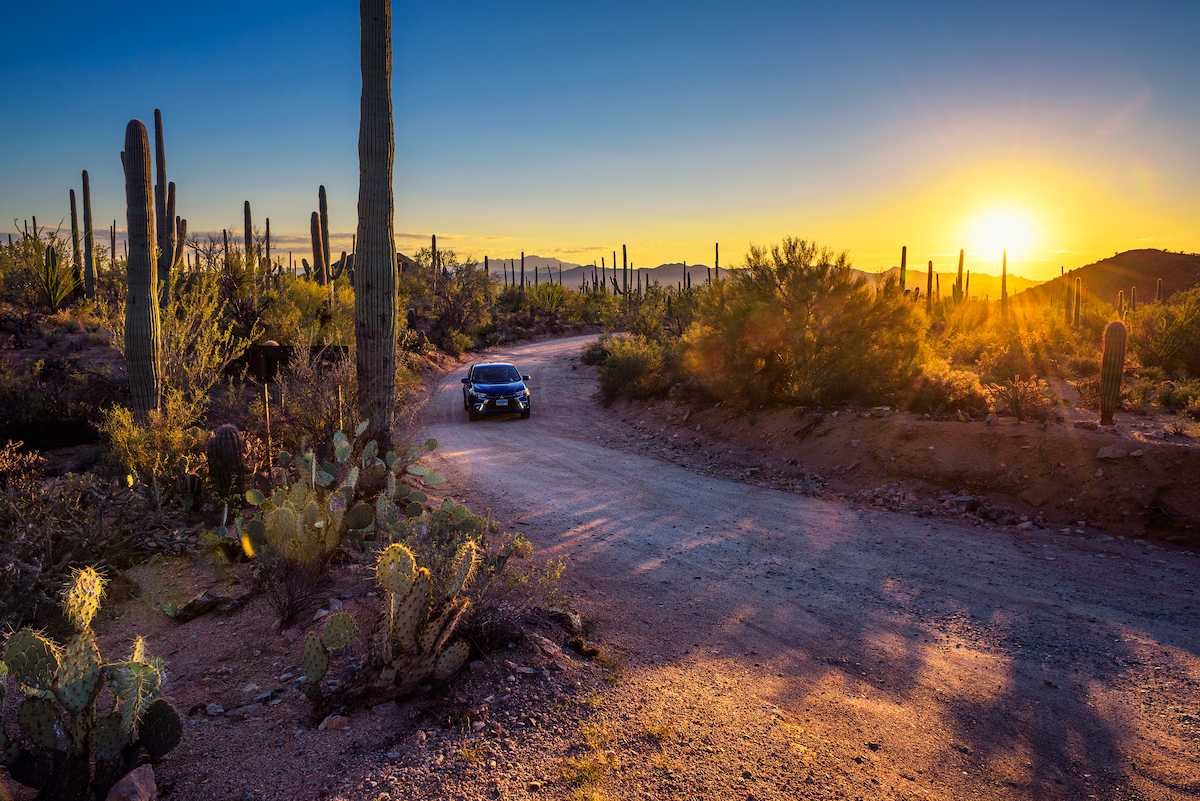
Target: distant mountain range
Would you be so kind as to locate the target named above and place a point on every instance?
(1140, 268)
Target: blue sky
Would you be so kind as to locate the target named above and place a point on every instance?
(567, 129)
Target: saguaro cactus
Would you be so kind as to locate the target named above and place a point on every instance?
(959, 294)
(320, 269)
(903, 266)
(1111, 368)
(1078, 296)
(1004, 285)
(323, 205)
(172, 231)
(375, 268)
(76, 255)
(142, 332)
(249, 237)
(929, 290)
(89, 243)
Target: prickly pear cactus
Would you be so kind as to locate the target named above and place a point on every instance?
(78, 743)
(337, 634)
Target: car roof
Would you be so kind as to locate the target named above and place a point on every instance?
(491, 364)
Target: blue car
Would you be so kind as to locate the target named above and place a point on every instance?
(495, 389)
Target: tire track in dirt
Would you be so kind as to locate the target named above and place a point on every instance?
(799, 647)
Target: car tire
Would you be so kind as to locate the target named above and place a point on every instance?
(525, 414)
(472, 415)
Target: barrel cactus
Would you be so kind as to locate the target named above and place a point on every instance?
(1111, 368)
(225, 466)
(79, 741)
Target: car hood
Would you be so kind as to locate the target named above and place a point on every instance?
(504, 387)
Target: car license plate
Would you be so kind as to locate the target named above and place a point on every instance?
(502, 402)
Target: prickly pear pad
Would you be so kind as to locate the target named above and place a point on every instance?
(338, 632)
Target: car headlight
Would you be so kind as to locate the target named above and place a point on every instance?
(522, 393)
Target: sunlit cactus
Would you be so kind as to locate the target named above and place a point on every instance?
(89, 243)
(1111, 367)
(375, 278)
(172, 231)
(142, 326)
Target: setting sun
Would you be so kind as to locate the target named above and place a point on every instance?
(1000, 230)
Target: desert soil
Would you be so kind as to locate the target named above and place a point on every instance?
(769, 627)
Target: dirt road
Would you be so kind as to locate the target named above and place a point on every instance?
(781, 646)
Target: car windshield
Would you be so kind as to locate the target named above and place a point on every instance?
(496, 374)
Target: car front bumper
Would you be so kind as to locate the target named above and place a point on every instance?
(498, 405)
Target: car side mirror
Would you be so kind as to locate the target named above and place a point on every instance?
(524, 378)
(466, 381)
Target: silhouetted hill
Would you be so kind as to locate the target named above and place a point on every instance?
(1133, 268)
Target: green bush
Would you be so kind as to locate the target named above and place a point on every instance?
(940, 388)
(1167, 335)
(633, 369)
(797, 325)
(595, 351)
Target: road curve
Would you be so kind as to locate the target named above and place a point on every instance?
(801, 647)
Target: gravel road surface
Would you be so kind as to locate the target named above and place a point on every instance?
(778, 646)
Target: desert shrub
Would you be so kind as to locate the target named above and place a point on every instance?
(593, 307)
(1167, 335)
(1022, 398)
(160, 448)
(1177, 395)
(797, 325)
(595, 351)
(198, 343)
(546, 299)
(633, 368)
(48, 404)
(456, 343)
(940, 388)
(46, 529)
(303, 305)
(313, 397)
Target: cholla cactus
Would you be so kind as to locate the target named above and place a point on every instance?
(410, 644)
(77, 749)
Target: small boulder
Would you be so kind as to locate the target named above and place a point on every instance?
(137, 785)
(1110, 452)
(334, 723)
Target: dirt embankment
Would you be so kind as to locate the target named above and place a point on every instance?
(1136, 479)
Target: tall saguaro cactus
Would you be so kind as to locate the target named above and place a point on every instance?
(1112, 365)
(375, 262)
(248, 234)
(903, 266)
(1004, 284)
(318, 248)
(142, 332)
(172, 231)
(323, 205)
(89, 243)
(929, 290)
(76, 254)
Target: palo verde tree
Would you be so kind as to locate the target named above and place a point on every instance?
(375, 262)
